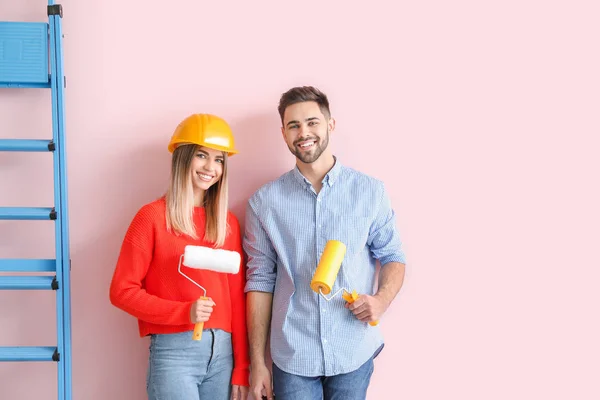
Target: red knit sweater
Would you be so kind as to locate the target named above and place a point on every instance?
(147, 285)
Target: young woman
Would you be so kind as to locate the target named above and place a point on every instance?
(146, 282)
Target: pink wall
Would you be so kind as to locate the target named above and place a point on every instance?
(482, 119)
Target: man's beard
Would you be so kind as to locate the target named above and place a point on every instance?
(310, 157)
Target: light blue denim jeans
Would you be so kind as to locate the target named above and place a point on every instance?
(181, 368)
(350, 386)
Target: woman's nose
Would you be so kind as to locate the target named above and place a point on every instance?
(209, 165)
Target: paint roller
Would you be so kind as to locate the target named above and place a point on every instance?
(206, 258)
(327, 271)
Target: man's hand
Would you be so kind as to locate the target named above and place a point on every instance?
(368, 308)
(260, 382)
(239, 392)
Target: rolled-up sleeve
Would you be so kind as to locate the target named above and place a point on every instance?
(384, 238)
(262, 258)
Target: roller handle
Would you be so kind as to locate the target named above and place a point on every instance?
(199, 327)
(351, 297)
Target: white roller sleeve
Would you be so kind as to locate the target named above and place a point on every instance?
(219, 260)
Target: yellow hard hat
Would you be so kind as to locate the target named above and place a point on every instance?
(204, 130)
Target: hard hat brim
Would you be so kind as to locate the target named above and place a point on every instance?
(172, 146)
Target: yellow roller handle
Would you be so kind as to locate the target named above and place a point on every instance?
(199, 327)
(351, 298)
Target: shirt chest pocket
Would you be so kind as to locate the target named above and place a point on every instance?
(351, 230)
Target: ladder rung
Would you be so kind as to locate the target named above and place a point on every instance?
(27, 265)
(26, 145)
(25, 85)
(10, 282)
(37, 213)
(27, 353)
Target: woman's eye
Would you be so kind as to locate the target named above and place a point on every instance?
(200, 155)
(219, 161)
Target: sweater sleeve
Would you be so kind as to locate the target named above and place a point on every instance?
(238, 303)
(127, 291)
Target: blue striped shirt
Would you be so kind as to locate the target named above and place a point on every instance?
(287, 227)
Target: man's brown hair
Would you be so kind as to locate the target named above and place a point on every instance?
(301, 94)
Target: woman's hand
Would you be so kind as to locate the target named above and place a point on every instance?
(239, 392)
(201, 310)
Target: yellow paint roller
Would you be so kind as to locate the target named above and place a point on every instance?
(206, 258)
(327, 271)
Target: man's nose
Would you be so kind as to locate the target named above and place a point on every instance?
(303, 130)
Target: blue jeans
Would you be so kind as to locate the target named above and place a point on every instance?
(350, 386)
(182, 368)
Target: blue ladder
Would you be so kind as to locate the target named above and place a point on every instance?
(31, 56)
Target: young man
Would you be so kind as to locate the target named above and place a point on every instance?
(320, 349)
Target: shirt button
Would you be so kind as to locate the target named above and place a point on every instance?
(323, 310)
(324, 340)
(319, 200)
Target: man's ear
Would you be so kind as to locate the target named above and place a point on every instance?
(331, 124)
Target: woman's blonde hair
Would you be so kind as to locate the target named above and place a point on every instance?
(180, 199)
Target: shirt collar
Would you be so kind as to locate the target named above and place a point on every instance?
(333, 173)
(329, 179)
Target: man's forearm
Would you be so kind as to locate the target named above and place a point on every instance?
(391, 278)
(258, 315)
